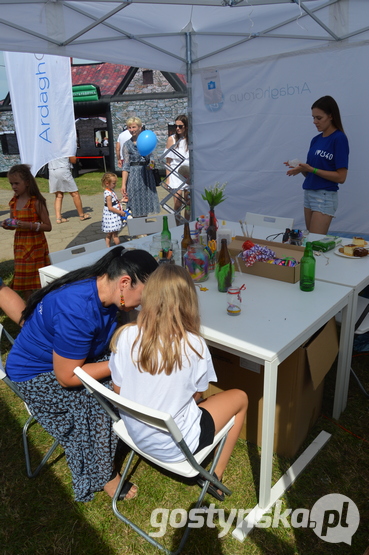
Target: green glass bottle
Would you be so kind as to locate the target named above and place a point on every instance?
(166, 236)
(307, 269)
(224, 269)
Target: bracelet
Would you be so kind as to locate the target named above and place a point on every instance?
(38, 225)
(315, 170)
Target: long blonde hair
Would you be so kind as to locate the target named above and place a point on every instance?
(169, 313)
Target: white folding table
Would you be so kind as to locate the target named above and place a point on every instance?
(276, 319)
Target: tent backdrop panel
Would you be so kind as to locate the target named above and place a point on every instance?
(264, 119)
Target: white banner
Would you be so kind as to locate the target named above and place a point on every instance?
(263, 118)
(42, 102)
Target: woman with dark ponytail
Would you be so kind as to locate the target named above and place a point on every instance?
(69, 323)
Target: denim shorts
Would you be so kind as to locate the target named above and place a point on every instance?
(321, 200)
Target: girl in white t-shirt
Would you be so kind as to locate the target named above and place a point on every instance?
(162, 362)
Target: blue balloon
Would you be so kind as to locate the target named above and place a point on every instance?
(146, 142)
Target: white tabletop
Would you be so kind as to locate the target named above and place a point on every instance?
(353, 272)
(276, 317)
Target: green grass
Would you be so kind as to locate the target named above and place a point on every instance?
(88, 183)
(40, 517)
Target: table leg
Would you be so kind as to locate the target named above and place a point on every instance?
(244, 527)
(267, 434)
(344, 356)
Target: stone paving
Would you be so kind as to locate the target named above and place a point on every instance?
(68, 234)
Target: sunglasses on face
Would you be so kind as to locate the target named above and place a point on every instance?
(179, 126)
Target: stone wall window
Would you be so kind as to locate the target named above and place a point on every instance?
(9, 143)
(148, 77)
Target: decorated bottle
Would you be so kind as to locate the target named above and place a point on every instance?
(166, 236)
(187, 240)
(224, 269)
(211, 232)
(307, 269)
(196, 261)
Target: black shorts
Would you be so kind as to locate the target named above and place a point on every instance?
(207, 430)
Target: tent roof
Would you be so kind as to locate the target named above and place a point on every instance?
(171, 34)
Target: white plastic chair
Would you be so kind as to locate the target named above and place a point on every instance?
(149, 225)
(269, 221)
(13, 386)
(71, 252)
(361, 326)
(190, 467)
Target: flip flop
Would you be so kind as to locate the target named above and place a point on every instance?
(61, 220)
(212, 490)
(85, 217)
(125, 489)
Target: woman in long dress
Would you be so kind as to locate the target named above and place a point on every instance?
(138, 182)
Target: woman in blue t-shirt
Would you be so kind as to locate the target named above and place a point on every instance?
(69, 323)
(326, 166)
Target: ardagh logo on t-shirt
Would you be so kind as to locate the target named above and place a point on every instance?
(324, 154)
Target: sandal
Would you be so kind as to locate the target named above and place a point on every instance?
(126, 489)
(61, 220)
(85, 217)
(212, 490)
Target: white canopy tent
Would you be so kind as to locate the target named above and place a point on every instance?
(269, 61)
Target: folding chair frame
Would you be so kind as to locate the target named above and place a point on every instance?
(208, 476)
(30, 473)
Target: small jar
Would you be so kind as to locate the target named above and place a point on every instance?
(234, 300)
(196, 260)
(163, 256)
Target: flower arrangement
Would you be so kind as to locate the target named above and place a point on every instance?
(214, 195)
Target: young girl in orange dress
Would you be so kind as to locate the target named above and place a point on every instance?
(30, 218)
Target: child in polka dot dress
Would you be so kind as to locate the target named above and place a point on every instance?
(112, 221)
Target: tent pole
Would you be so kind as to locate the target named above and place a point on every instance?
(189, 115)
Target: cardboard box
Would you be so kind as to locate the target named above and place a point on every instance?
(263, 269)
(299, 389)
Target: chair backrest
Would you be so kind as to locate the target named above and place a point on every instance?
(269, 221)
(148, 225)
(158, 419)
(71, 252)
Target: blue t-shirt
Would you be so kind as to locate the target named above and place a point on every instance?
(70, 321)
(326, 153)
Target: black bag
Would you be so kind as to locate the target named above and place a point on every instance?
(157, 177)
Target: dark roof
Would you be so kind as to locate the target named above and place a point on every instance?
(106, 76)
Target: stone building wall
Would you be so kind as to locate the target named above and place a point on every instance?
(156, 115)
(7, 126)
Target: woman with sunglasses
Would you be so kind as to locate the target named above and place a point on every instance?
(179, 142)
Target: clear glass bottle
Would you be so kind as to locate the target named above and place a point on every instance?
(307, 269)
